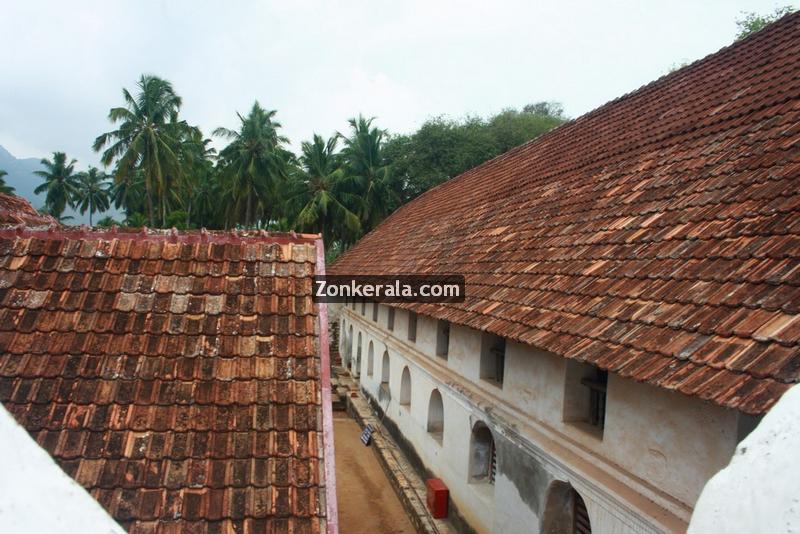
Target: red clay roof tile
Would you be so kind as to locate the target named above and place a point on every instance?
(153, 368)
(662, 227)
(16, 210)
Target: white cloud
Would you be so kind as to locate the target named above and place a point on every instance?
(319, 63)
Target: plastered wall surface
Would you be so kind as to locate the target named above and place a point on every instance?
(642, 474)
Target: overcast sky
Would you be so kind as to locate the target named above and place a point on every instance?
(319, 63)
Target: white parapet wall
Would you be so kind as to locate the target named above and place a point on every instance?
(36, 495)
(759, 491)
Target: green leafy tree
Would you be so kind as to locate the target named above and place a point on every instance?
(253, 165)
(443, 148)
(146, 139)
(107, 222)
(128, 193)
(177, 219)
(545, 109)
(753, 22)
(136, 220)
(320, 193)
(92, 192)
(206, 209)
(511, 128)
(367, 172)
(5, 188)
(198, 191)
(60, 184)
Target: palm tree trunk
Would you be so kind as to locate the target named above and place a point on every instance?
(162, 202)
(248, 209)
(149, 206)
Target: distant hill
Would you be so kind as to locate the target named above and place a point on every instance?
(21, 177)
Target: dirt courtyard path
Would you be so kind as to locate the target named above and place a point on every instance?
(367, 502)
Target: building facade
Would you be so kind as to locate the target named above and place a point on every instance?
(631, 308)
(520, 443)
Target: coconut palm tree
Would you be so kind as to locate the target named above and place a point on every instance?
(367, 173)
(5, 188)
(319, 191)
(60, 183)
(198, 182)
(254, 164)
(128, 193)
(92, 193)
(204, 206)
(146, 140)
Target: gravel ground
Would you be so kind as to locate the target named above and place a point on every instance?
(367, 502)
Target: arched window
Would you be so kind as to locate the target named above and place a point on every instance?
(436, 416)
(349, 351)
(385, 369)
(405, 388)
(343, 336)
(384, 393)
(482, 455)
(357, 366)
(565, 510)
(370, 359)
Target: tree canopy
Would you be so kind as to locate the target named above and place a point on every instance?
(147, 140)
(163, 172)
(60, 183)
(753, 22)
(5, 188)
(443, 148)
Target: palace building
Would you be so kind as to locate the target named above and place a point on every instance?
(633, 283)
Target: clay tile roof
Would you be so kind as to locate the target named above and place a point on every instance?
(177, 376)
(657, 236)
(16, 210)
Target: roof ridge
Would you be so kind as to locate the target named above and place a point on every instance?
(643, 89)
(172, 235)
(564, 128)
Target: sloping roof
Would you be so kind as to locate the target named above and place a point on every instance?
(16, 210)
(657, 237)
(176, 376)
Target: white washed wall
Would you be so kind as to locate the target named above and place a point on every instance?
(657, 451)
